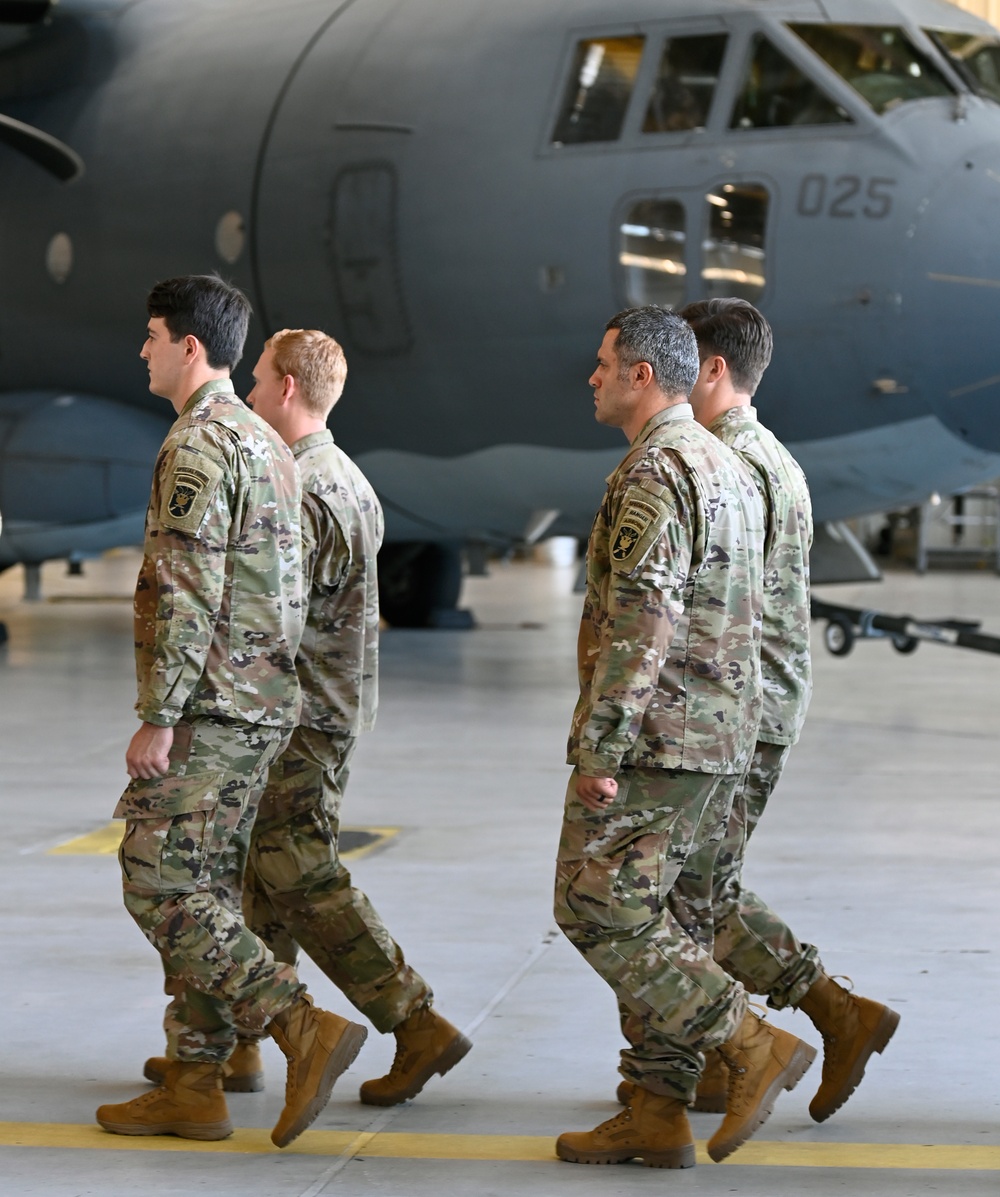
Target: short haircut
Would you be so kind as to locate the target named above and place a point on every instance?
(735, 330)
(315, 361)
(206, 307)
(661, 338)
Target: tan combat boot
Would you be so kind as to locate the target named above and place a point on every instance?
(713, 1086)
(189, 1103)
(318, 1046)
(762, 1061)
(852, 1028)
(426, 1044)
(243, 1072)
(651, 1128)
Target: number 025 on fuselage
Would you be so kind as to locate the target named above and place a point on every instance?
(462, 193)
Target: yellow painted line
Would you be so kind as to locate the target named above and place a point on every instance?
(105, 841)
(513, 1148)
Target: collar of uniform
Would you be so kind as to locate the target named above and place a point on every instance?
(677, 411)
(224, 385)
(741, 414)
(324, 437)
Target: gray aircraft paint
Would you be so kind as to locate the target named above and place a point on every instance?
(393, 166)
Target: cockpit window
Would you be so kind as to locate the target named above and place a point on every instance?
(689, 72)
(880, 62)
(776, 93)
(977, 59)
(598, 91)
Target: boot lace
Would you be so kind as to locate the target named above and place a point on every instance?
(621, 1119)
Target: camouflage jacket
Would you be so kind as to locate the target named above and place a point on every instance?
(786, 673)
(342, 534)
(218, 603)
(669, 645)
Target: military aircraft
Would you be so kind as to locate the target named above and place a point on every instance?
(462, 193)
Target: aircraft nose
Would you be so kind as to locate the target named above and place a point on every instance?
(956, 322)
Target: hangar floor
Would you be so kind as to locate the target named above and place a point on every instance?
(881, 847)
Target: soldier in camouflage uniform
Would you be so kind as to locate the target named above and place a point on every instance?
(298, 891)
(218, 619)
(752, 943)
(669, 664)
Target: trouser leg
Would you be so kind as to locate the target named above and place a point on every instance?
(752, 942)
(633, 894)
(179, 885)
(199, 1025)
(299, 890)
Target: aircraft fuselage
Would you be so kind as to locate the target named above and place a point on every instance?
(389, 172)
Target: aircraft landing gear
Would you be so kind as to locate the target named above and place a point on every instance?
(419, 585)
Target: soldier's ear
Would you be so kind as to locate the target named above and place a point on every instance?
(643, 375)
(717, 367)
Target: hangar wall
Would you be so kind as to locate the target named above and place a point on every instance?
(990, 9)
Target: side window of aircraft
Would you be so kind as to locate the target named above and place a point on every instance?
(598, 90)
(776, 94)
(689, 72)
(975, 57)
(880, 62)
(733, 254)
(651, 253)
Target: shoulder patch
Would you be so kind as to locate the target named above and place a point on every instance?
(638, 527)
(187, 494)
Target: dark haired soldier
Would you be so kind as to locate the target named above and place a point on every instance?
(751, 941)
(297, 889)
(662, 734)
(218, 619)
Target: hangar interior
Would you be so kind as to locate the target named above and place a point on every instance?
(879, 847)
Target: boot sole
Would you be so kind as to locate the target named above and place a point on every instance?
(884, 1031)
(677, 1157)
(252, 1082)
(184, 1130)
(787, 1079)
(340, 1059)
(457, 1050)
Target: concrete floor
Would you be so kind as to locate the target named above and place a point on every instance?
(881, 847)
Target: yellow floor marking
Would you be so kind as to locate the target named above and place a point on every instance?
(105, 841)
(525, 1148)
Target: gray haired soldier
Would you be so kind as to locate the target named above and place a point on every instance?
(751, 942)
(662, 734)
(218, 619)
(297, 890)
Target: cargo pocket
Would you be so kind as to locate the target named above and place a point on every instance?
(620, 892)
(164, 856)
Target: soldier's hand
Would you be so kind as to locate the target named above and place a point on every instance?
(596, 793)
(148, 755)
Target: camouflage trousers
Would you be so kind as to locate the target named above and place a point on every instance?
(634, 895)
(298, 892)
(186, 840)
(751, 942)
